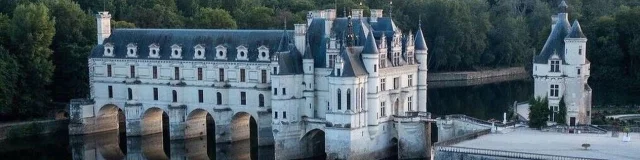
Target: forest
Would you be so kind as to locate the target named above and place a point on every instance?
(44, 44)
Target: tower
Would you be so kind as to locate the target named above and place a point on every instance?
(371, 58)
(308, 91)
(421, 55)
(103, 20)
(300, 37)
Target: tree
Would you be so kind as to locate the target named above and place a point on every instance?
(4, 30)
(561, 118)
(8, 79)
(259, 17)
(122, 24)
(74, 38)
(32, 30)
(213, 19)
(157, 16)
(538, 112)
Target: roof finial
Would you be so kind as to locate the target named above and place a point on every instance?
(562, 8)
(285, 23)
(390, 9)
(420, 21)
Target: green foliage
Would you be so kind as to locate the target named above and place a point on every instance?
(538, 112)
(213, 19)
(256, 18)
(122, 24)
(561, 117)
(31, 33)
(8, 79)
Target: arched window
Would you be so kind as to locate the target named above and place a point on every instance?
(219, 98)
(261, 100)
(348, 99)
(130, 93)
(339, 100)
(175, 96)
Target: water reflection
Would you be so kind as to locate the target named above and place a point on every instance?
(112, 145)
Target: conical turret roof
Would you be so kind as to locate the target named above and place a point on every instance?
(576, 31)
(370, 46)
(420, 43)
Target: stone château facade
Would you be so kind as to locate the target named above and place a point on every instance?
(351, 87)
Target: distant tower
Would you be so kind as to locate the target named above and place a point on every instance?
(421, 55)
(371, 58)
(104, 26)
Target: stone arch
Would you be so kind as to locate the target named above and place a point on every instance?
(393, 147)
(155, 120)
(313, 145)
(155, 146)
(200, 123)
(111, 117)
(244, 135)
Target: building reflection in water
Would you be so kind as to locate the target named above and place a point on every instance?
(112, 145)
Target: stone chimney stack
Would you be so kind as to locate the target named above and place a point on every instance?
(357, 13)
(375, 14)
(103, 20)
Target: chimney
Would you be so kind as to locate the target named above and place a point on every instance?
(554, 20)
(300, 37)
(331, 14)
(357, 13)
(103, 20)
(375, 14)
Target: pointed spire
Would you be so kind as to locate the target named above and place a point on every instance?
(576, 31)
(420, 43)
(350, 35)
(284, 41)
(563, 7)
(391, 9)
(307, 51)
(370, 46)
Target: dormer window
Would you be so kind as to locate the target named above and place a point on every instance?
(176, 51)
(198, 52)
(221, 52)
(263, 53)
(132, 50)
(242, 53)
(154, 51)
(555, 65)
(108, 50)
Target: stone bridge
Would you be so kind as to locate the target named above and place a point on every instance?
(178, 121)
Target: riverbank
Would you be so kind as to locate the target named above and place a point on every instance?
(473, 75)
(31, 128)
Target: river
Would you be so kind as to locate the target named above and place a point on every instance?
(481, 99)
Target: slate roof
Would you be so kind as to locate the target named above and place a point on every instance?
(353, 65)
(189, 38)
(289, 61)
(420, 43)
(555, 42)
(370, 46)
(576, 31)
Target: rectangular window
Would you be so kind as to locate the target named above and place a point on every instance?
(275, 91)
(243, 98)
(242, 75)
(554, 90)
(382, 109)
(383, 85)
(410, 103)
(201, 96)
(580, 51)
(396, 83)
(199, 74)
(396, 58)
(275, 70)
(578, 71)
(155, 72)
(108, 70)
(155, 94)
(176, 71)
(284, 91)
(555, 66)
(410, 57)
(332, 60)
(410, 80)
(275, 115)
(375, 68)
(383, 61)
(110, 90)
(264, 76)
(284, 115)
(132, 71)
(221, 74)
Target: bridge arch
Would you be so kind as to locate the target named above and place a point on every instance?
(111, 117)
(393, 147)
(313, 144)
(155, 120)
(244, 135)
(200, 123)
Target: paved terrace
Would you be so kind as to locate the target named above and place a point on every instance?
(603, 146)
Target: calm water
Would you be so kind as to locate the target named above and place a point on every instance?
(484, 101)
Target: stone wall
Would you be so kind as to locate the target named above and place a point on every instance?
(457, 76)
(450, 128)
(31, 128)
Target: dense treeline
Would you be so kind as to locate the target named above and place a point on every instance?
(44, 43)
